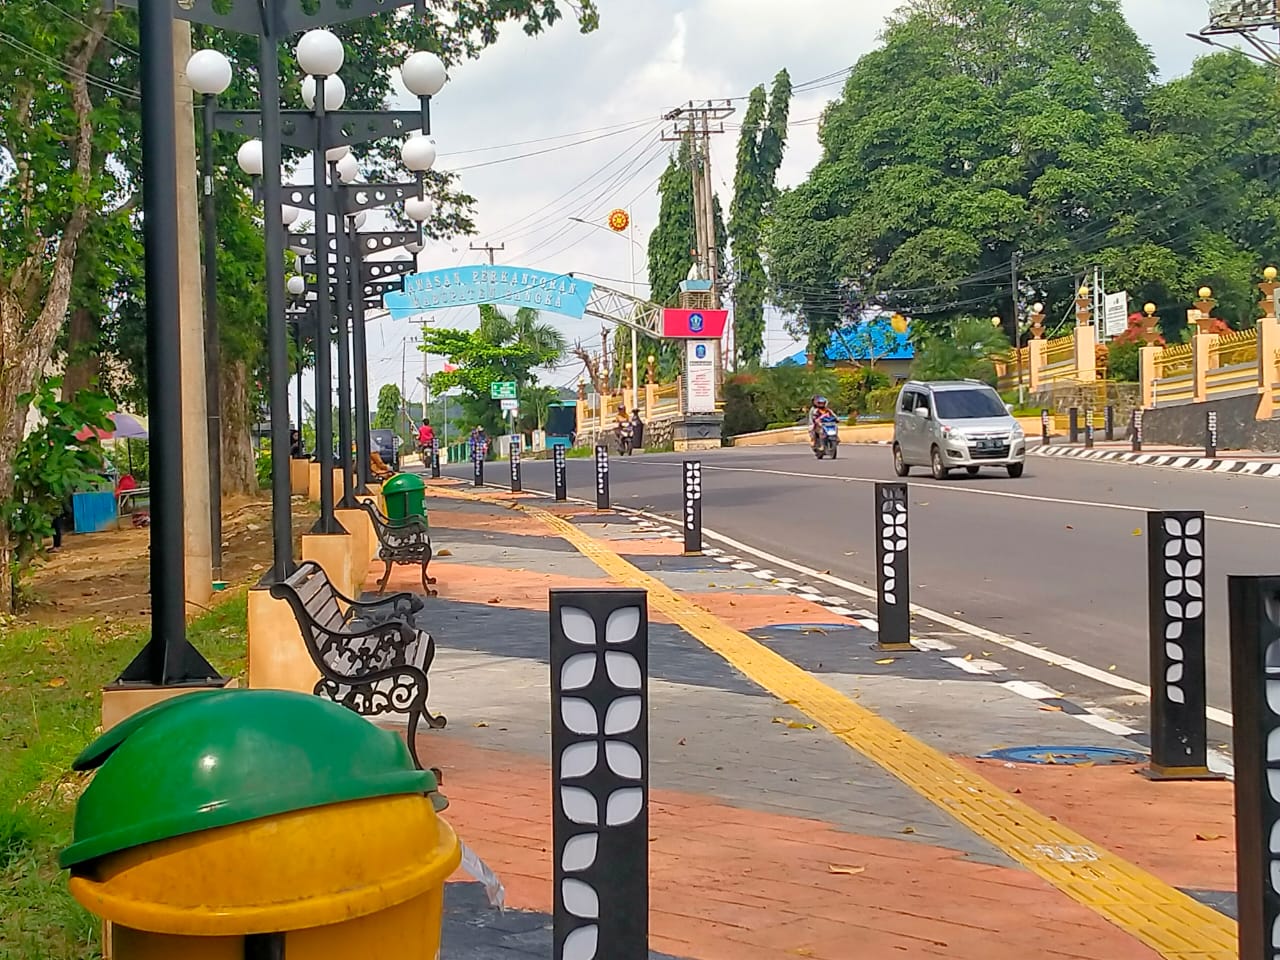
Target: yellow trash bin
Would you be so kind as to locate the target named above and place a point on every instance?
(259, 823)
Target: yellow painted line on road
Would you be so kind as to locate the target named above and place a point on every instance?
(1173, 924)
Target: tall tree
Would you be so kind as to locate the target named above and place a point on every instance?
(966, 137)
(501, 349)
(760, 149)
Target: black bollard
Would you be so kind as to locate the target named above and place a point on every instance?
(1109, 422)
(1135, 431)
(600, 773)
(602, 477)
(514, 456)
(1073, 424)
(1253, 603)
(477, 466)
(1175, 625)
(1211, 435)
(1088, 429)
(435, 458)
(558, 471)
(1044, 427)
(693, 508)
(893, 577)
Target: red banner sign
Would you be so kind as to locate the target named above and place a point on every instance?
(694, 324)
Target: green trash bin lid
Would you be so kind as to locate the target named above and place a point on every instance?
(206, 760)
(404, 483)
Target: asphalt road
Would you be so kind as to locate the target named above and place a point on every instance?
(1056, 559)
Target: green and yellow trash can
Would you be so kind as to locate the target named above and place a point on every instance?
(405, 496)
(246, 824)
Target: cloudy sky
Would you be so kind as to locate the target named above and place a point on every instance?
(588, 108)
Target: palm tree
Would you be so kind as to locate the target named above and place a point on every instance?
(526, 329)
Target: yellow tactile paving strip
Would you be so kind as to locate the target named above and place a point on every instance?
(1170, 922)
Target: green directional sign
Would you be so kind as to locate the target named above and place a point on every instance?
(502, 390)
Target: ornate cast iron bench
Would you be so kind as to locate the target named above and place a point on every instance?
(371, 657)
(406, 541)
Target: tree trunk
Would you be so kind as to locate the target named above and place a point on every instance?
(239, 469)
(82, 353)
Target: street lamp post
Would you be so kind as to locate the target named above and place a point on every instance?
(635, 292)
(320, 54)
(296, 286)
(168, 658)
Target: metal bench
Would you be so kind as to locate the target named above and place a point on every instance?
(371, 657)
(406, 541)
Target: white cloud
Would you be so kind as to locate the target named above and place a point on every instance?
(648, 57)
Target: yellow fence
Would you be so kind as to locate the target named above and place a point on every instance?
(1057, 351)
(1236, 348)
(1174, 361)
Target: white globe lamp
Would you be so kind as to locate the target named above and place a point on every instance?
(348, 169)
(296, 285)
(289, 215)
(419, 209)
(423, 74)
(209, 72)
(249, 157)
(335, 92)
(418, 154)
(320, 53)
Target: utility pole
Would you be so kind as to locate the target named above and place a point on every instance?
(1016, 296)
(693, 124)
(488, 248)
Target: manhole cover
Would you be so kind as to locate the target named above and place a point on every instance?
(1067, 756)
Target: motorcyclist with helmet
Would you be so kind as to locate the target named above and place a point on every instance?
(817, 413)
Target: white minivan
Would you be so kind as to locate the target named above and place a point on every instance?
(954, 424)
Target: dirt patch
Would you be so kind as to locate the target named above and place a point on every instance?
(106, 576)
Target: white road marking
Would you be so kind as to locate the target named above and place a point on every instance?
(982, 667)
(1102, 723)
(1032, 689)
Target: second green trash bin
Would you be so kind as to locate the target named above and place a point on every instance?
(404, 495)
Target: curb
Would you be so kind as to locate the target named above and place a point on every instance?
(1254, 468)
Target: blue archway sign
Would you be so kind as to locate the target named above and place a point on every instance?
(497, 285)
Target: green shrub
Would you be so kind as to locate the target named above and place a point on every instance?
(882, 401)
(854, 386)
(1123, 361)
(741, 412)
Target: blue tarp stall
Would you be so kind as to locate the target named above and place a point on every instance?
(93, 512)
(562, 424)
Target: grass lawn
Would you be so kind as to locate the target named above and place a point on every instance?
(50, 702)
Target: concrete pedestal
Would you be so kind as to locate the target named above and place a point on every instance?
(698, 432)
(278, 660)
(300, 477)
(119, 703)
(333, 552)
(313, 481)
(360, 529)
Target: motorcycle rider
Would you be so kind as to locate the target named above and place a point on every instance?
(622, 424)
(817, 413)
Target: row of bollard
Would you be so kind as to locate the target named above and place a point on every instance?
(1176, 619)
(691, 514)
(1135, 429)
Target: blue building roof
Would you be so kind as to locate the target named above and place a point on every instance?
(856, 342)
